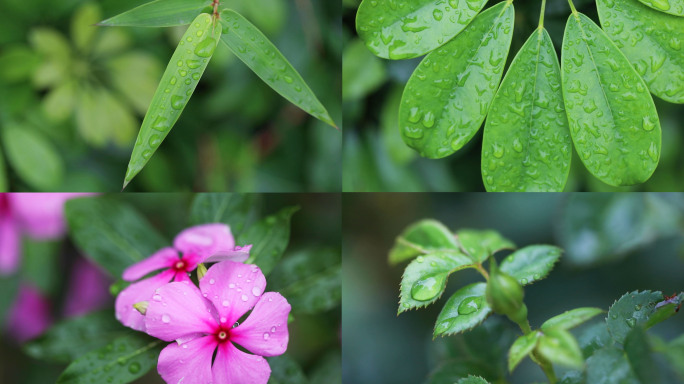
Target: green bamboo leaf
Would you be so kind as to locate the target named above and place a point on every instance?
(571, 319)
(673, 7)
(160, 13)
(177, 85)
(613, 120)
(531, 263)
(632, 309)
(121, 361)
(448, 95)
(526, 143)
(481, 244)
(464, 310)
(521, 348)
(269, 238)
(410, 28)
(254, 49)
(425, 278)
(33, 157)
(560, 347)
(610, 360)
(422, 237)
(652, 42)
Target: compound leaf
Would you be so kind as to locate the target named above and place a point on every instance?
(254, 49)
(613, 120)
(531, 263)
(410, 28)
(631, 310)
(572, 318)
(673, 7)
(526, 144)
(422, 237)
(160, 13)
(652, 42)
(448, 95)
(464, 310)
(481, 244)
(177, 85)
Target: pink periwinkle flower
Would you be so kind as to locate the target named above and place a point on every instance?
(202, 243)
(30, 315)
(205, 319)
(88, 289)
(39, 215)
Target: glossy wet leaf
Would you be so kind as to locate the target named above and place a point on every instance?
(572, 318)
(522, 347)
(404, 29)
(269, 238)
(121, 361)
(254, 49)
(652, 42)
(160, 13)
(425, 278)
(230, 208)
(631, 310)
(613, 121)
(481, 244)
(531, 263)
(526, 144)
(422, 237)
(33, 157)
(613, 360)
(560, 347)
(175, 88)
(464, 310)
(673, 7)
(448, 95)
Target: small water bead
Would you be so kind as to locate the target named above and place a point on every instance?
(156, 297)
(205, 48)
(225, 303)
(177, 102)
(188, 81)
(134, 367)
(231, 285)
(266, 336)
(166, 319)
(470, 305)
(244, 298)
(273, 329)
(256, 291)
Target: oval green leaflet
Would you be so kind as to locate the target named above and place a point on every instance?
(448, 95)
(612, 118)
(402, 29)
(177, 85)
(673, 7)
(251, 46)
(464, 310)
(526, 144)
(652, 42)
(32, 156)
(160, 13)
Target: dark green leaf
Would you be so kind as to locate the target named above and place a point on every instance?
(284, 370)
(9, 286)
(610, 366)
(531, 263)
(613, 120)
(481, 244)
(593, 338)
(422, 237)
(521, 348)
(230, 208)
(111, 233)
(472, 380)
(464, 310)
(640, 357)
(571, 319)
(451, 371)
(40, 264)
(631, 310)
(17, 63)
(269, 238)
(329, 370)
(251, 46)
(448, 95)
(664, 310)
(560, 347)
(160, 13)
(121, 361)
(33, 157)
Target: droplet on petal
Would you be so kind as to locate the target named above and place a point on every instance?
(212, 281)
(266, 336)
(256, 291)
(244, 297)
(166, 319)
(225, 303)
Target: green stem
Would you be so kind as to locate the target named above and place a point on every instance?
(572, 7)
(546, 367)
(482, 271)
(541, 14)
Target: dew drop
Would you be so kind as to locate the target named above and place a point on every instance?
(244, 298)
(428, 288)
(631, 322)
(212, 281)
(256, 291)
(166, 319)
(273, 329)
(134, 367)
(225, 303)
(177, 102)
(156, 297)
(266, 335)
(470, 305)
(205, 48)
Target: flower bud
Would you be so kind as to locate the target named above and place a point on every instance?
(201, 271)
(141, 307)
(504, 293)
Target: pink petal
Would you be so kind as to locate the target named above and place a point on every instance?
(41, 214)
(205, 240)
(233, 366)
(10, 243)
(135, 293)
(189, 362)
(182, 277)
(234, 288)
(238, 254)
(29, 315)
(265, 331)
(162, 259)
(178, 309)
(88, 289)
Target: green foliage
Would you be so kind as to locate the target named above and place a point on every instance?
(159, 13)
(522, 347)
(631, 310)
(362, 71)
(559, 346)
(611, 360)
(479, 245)
(230, 208)
(531, 263)
(41, 167)
(422, 237)
(472, 380)
(284, 370)
(464, 310)
(269, 238)
(673, 7)
(571, 318)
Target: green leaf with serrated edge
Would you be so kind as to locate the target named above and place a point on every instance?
(464, 310)
(632, 309)
(160, 13)
(531, 263)
(640, 356)
(448, 95)
(121, 361)
(285, 370)
(110, 233)
(472, 380)
(673, 7)
(560, 347)
(33, 157)
(614, 361)
(71, 338)
(651, 41)
(664, 310)
(526, 145)
(255, 50)
(481, 244)
(521, 348)
(310, 279)
(269, 238)
(175, 88)
(593, 338)
(425, 278)
(571, 318)
(613, 121)
(452, 370)
(229, 208)
(410, 28)
(422, 237)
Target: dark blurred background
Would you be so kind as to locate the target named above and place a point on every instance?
(377, 160)
(614, 244)
(72, 98)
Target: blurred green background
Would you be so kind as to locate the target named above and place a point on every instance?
(314, 337)
(377, 160)
(72, 98)
(614, 244)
